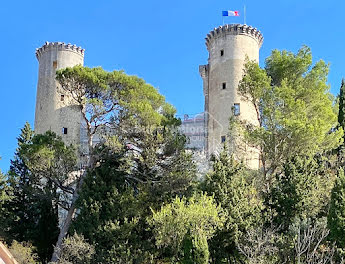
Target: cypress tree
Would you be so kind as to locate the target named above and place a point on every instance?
(341, 121)
(301, 190)
(336, 216)
(33, 217)
(341, 115)
(233, 187)
(22, 213)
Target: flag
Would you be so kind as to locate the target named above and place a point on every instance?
(231, 13)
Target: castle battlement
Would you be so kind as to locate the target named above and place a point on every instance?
(234, 29)
(60, 46)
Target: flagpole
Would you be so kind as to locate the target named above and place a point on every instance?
(244, 14)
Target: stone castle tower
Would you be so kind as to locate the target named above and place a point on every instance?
(228, 47)
(54, 110)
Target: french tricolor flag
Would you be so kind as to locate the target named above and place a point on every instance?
(231, 13)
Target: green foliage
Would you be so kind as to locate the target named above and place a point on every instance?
(113, 103)
(195, 249)
(113, 211)
(49, 158)
(341, 115)
(104, 96)
(336, 216)
(182, 220)
(4, 199)
(76, 250)
(295, 111)
(259, 245)
(19, 177)
(136, 201)
(341, 122)
(234, 189)
(51, 163)
(22, 209)
(109, 213)
(141, 161)
(302, 190)
(47, 227)
(3, 190)
(309, 242)
(40, 163)
(23, 253)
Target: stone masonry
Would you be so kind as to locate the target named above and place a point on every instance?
(54, 109)
(228, 47)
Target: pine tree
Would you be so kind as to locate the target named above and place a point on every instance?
(294, 108)
(336, 216)
(116, 197)
(234, 190)
(33, 217)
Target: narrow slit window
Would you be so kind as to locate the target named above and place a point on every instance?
(222, 139)
(237, 109)
(224, 85)
(54, 64)
(62, 98)
(64, 130)
(222, 53)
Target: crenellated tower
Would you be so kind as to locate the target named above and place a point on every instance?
(228, 47)
(54, 109)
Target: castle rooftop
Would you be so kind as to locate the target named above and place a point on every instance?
(48, 46)
(234, 29)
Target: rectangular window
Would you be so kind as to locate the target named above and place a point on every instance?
(62, 97)
(224, 85)
(54, 64)
(236, 109)
(64, 130)
(222, 139)
(222, 53)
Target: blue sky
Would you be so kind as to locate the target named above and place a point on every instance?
(160, 41)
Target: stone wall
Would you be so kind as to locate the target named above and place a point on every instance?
(54, 109)
(228, 48)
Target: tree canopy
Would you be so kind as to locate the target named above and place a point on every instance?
(294, 107)
(132, 195)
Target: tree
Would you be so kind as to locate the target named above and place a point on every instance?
(117, 195)
(76, 250)
(341, 121)
(234, 189)
(3, 191)
(4, 198)
(111, 213)
(23, 212)
(341, 115)
(336, 216)
(294, 108)
(37, 178)
(309, 242)
(302, 190)
(184, 226)
(113, 103)
(23, 253)
(53, 167)
(259, 245)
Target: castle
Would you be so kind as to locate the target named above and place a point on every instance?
(53, 109)
(228, 47)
